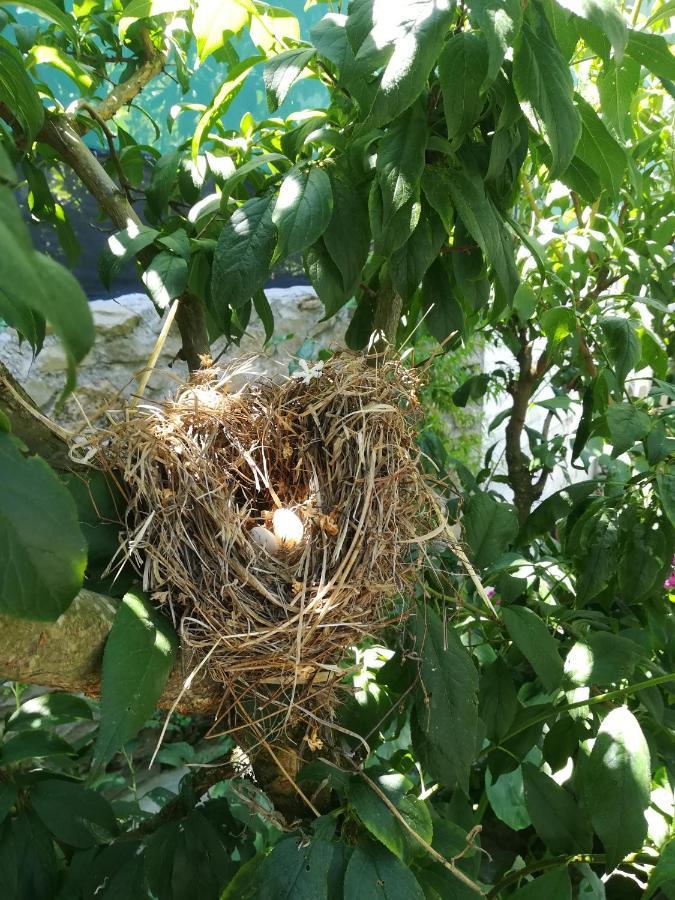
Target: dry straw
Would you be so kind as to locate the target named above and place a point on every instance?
(276, 600)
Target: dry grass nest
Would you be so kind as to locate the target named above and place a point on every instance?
(277, 523)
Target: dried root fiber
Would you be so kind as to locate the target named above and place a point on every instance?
(277, 523)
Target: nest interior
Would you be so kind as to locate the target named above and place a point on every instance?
(276, 522)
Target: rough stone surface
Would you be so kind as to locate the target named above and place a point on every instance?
(126, 332)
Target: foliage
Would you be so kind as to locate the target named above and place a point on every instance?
(497, 173)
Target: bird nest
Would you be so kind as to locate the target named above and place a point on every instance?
(277, 523)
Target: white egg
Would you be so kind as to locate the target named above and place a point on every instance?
(265, 539)
(287, 527)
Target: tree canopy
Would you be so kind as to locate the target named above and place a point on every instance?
(494, 173)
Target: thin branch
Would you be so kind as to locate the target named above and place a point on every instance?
(93, 112)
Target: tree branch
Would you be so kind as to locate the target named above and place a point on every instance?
(67, 654)
(387, 314)
(126, 91)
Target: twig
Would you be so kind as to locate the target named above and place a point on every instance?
(93, 112)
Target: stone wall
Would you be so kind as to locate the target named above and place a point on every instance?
(126, 332)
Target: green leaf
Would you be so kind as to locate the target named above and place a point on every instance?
(264, 311)
(121, 248)
(555, 815)
(665, 486)
(604, 14)
(214, 21)
(18, 92)
(281, 72)
(295, 870)
(617, 783)
(479, 215)
(653, 52)
(500, 22)
(622, 345)
(260, 159)
(443, 314)
(241, 260)
(409, 264)
(617, 85)
(272, 26)
(8, 796)
(47, 10)
(42, 551)
(598, 149)
(489, 527)
(472, 389)
(162, 181)
(506, 796)
(33, 745)
(222, 99)
(379, 820)
(74, 814)
(49, 710)
(325, 277)
(20, 283)
(663, 873)
(462, 69)
(137, 659)
(498, 700)
(542, 76)
(524, 303)
(303, 209)
(144, 9)
(347, 237)
(373, 873)
(165, 278)
(400, 161)
(553, 885)
(536, 643)
(601, 658)
(447, 710)
(558, 323)
(626, 426)
(400, 43)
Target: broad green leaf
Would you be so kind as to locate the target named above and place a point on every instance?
(8, 796)
(617, 784)
(24, 838)
(555, 815)
(498, 699)
(162, 181)
(214, 21)
(617, 85)
(606, 15)
(33, 745)
(409, 264)
(380, 821)
(42, 551)
(121, 248)
(400, 161)
(483, 222)
(665, 486)
(64, 305)
(663, 873)
(19, 279)
(18, 92)
(144, 9)
(524, 303)
(347, 237)
(303, 209)
(500, 22)
(329, 36)
(222, 99)
(47, 710)
(294, 869)
(536, 643)
(622, 345)
(261, 159)
(400, 42)
(542, 76)
(601, 658)
(596, 539)
(325, 277)
(653, 52)
(553, 885)
(74, 814)
(489, 527)
(443, 313)
(272, 26)
(165, 278)
(47, 10)
(373, 873)
(137, 659)
(241, 260)
(41, 55)
(626, 424)
(558, 323)
(281, 72)
(265, 314)
(598, 149)
(472, 389)
(462, 68)
(447, 709)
